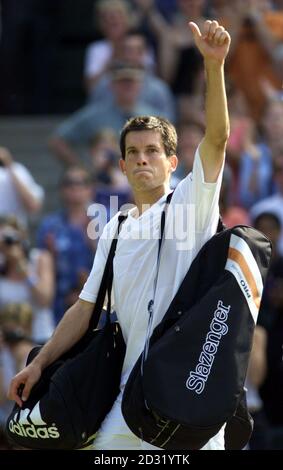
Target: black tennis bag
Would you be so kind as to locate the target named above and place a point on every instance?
(68, 404)
(74, 394)
(192, 381)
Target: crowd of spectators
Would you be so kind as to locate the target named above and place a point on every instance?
(143, 61)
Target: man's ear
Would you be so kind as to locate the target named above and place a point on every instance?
(122, 165)
(173, 162)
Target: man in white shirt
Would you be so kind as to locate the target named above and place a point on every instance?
(148, 147)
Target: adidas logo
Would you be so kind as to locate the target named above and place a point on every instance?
(29, 423)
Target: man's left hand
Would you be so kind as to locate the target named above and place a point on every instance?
(213, 43)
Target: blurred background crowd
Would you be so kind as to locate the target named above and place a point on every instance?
(71, 73)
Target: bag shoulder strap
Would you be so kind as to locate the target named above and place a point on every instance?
(221, 226)
(107, 279)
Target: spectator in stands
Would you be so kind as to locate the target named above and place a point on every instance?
(274, 203)
(255, 168)
(154, 91)
(180, 63)
(189, 135)
(126, 82)
(15, 344)
(231, 213)
(20, 195)
(109, 181)
(64, 235)
(26, 276)
(272, 125)
(251, 149)
(256, 33)
(114, 21)
(271, 318)
(255, 377)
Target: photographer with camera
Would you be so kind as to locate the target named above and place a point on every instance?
(26, 276)
(15, 344)
(20, 195)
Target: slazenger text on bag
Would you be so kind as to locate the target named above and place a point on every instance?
(218, 328)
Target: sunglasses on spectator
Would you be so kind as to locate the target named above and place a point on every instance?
(76, 182)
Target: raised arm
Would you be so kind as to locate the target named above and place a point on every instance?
(213, 43)
(24, 187)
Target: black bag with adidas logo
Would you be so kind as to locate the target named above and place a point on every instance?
(68, 404)
(192, 381)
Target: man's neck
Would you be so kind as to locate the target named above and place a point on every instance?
(144, 200)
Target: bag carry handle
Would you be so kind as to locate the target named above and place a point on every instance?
(106, 281)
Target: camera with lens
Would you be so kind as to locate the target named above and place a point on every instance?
(10, 237)
(14, 336)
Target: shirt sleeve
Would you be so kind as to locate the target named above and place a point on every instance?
(202, 197)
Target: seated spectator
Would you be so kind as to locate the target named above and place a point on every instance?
(20, 195)
(256, 33)
(190, 133)
(64, 235)
(78, 129)
(256, 153)
(15, 344)
(271, 318)
(154, 91)
(271, 126)
(231, 213)
(240, 124)
(114, 20)
(179, 61)
(274, 203)
(255, 172)
(255, 377)
(26, 276)
(109, 181)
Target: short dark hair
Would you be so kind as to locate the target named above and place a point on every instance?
(270, 216)
(151, 123)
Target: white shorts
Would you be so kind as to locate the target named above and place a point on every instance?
(114, 434)
(132, 442)
(121, 442)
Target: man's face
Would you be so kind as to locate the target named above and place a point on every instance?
(134, 49)
(146, 165)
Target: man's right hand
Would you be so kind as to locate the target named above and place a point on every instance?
(24, 380)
